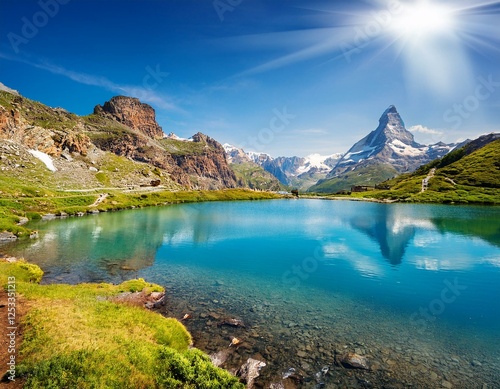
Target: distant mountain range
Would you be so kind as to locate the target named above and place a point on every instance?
(298, 172)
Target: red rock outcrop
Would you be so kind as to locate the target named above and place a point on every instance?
(212, 163)
(132, 113)
(207, 169)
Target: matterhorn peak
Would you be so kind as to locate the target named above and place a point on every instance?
(391, 117)
(391, 127)
(391, 109)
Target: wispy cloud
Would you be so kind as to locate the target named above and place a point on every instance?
(310, 131)
(424, 130)
(144, 93)
(427, 135)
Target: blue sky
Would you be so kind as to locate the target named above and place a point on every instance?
(290, 77)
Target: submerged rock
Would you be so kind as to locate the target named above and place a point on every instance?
(186, 317)
(235, 342)
(219, 358)
(232, 323)
(352, 361)
(249, 371)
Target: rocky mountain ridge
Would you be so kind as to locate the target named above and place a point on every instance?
(123, 126)
(390, 143)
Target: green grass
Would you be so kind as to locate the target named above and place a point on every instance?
(255, 177)
(75, 336)
(364, 176)
(480, 169)
(6, 99)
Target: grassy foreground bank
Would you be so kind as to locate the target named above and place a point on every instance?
(75, 336)
(17, 201)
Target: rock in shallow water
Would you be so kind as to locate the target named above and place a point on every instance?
(353, 361)
(231, 322)
(220, 357)
(250, 371)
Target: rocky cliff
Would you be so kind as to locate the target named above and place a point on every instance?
(197, 163)
(211, 163)
(131, 113)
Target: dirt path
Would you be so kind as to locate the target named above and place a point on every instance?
(99, 200)
(425, 181)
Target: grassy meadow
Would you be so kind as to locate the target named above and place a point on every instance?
(75, 336)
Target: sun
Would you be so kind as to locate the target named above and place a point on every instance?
(422, 20)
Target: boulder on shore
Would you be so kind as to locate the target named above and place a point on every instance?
(7, 237)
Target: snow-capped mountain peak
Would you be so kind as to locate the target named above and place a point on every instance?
(391, 144)
(175, 137)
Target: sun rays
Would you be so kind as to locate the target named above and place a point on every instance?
(431, 40)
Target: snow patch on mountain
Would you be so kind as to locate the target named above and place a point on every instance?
(357, 156)
(314, 161)
(229, 148)
(406, 150)
(45, 158)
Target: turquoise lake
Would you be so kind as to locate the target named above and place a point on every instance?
(414, 288)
